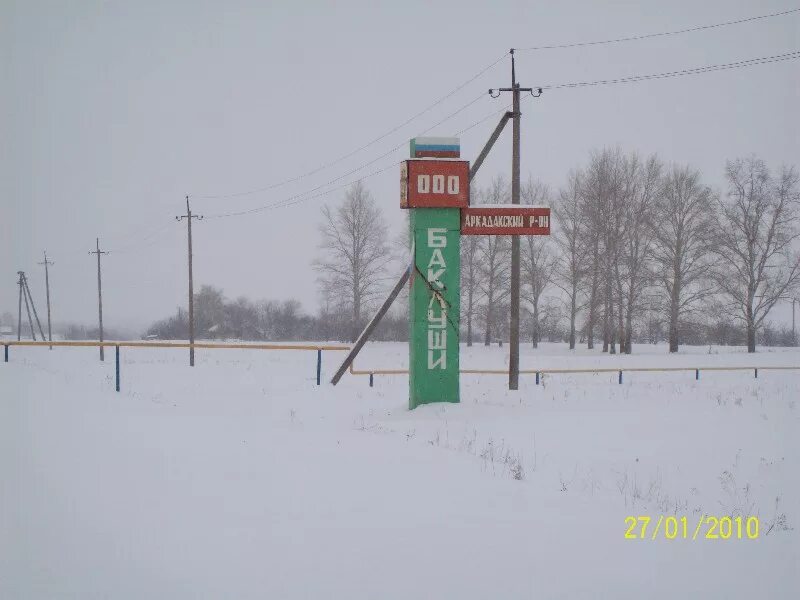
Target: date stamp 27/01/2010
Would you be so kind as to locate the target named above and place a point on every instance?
(643, 527)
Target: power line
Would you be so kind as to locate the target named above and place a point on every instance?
(486, 118)
(153, 236)
(660, 34)
(144, 226)
(159, 230)
(359, 149)
(309, 194)
(751, 62)
(291, 200)
(300, 197)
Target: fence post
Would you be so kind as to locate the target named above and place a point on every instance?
(117, 363)
(319, 364)
(756, 373)
(696, 374)
(6, 351)
(537, 377)
(620, 376)
(370, 380)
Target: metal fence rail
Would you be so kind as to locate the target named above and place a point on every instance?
(370, 372)
(211, 345)
(540, 372)
(197, 345)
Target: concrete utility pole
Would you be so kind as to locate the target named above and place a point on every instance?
(189, 216)
(99, 295)
(19, 306)
(27, 307)
(20, 283)
(47, 263)
(513, 350)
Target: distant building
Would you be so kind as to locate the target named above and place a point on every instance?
(6, 330)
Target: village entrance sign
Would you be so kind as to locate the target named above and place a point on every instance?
(434, 187)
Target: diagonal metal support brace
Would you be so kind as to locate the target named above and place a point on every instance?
(362, 339)
(487, 148)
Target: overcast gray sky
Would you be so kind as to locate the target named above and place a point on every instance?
(112, 111)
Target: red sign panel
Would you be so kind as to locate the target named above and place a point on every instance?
(505, 220)
(429, 183)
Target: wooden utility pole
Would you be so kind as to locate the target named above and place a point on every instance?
(513, 350)
(32, 306)
(23, 294)
(47, 263)
(99, 294)
(189, 216)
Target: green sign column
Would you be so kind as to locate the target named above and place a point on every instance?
(434, 306)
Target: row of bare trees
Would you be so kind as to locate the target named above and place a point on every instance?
(631, 238)
(634, 235)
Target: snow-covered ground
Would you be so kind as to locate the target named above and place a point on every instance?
(241, 478)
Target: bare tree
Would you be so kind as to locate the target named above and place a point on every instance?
(570, 269)
(280, 320)
(538, 264)
(758, 225)
(593, 185)
(552, 315)
(494, 262)
(604, 192)
(593, 282)
(632, 269)
(494, 279)
(209, 311)
(242, 319)
(353, 253)
(682, 223)
(538, 261)
(401, 258)
(470, 280)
